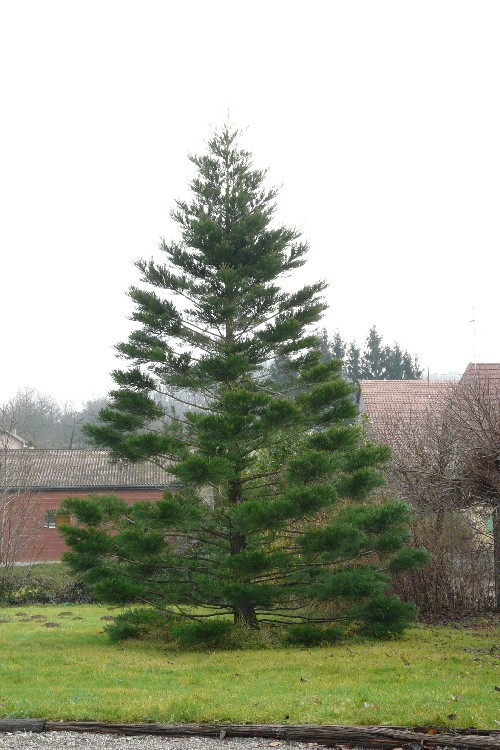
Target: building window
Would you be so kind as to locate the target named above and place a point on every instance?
(50, 519)
(54, 519)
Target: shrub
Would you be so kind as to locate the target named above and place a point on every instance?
(244, 637)
(384, 616)
(149, 624)
(305, 634)
(209, 634)
(459, 581)
(44, 584)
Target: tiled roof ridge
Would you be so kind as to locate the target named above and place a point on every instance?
(66, 450)
(408, 381)
(405, 386)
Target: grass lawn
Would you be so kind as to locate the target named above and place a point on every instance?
(434, 675)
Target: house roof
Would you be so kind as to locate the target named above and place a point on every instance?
(482, 371)
(78, 469)
(394, 405)
(403, 397)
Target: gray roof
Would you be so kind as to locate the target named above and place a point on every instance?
(92, 470)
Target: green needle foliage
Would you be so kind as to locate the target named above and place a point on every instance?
(272, 520)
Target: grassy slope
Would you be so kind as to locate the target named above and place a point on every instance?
(73, 672)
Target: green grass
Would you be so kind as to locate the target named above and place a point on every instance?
(73, 672)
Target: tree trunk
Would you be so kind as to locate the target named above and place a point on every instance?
(243, 614)
(246, 616)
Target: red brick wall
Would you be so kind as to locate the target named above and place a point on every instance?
(46, 545)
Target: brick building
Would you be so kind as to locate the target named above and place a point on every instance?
(34, 483)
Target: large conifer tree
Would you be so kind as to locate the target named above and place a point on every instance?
(241, 535)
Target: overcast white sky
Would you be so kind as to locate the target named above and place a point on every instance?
(380, 119)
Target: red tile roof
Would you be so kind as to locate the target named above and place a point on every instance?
(403, 397)
(393, 405)
(482, 371)
(77, 469)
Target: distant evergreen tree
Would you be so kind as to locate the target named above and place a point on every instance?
(338, 346)
(352, 363)
(411, 369)
(236, 538)
(394, 362)
(374, 358)
(375, 362)
(400, 365)
(326, 348)
(282, 371)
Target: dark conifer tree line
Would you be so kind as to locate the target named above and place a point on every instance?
(374, 361)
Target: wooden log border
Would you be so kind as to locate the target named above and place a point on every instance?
(364, 736)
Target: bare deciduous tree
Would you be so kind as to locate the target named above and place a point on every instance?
(19, 520)
(473, 420)
(446, 464)
(44, 423)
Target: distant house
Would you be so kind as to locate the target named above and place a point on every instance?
(414, 418)
(42, 479)
(9, 440)
(484, 373)
(483, 370)
(392, 407)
